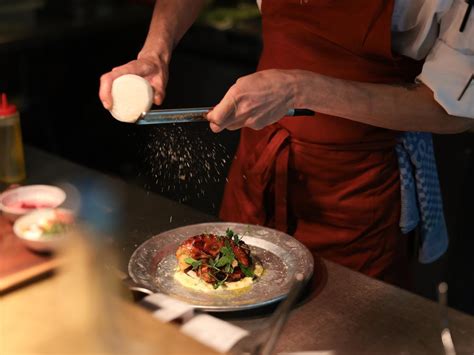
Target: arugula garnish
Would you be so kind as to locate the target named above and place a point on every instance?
(212, 263)
(224, 263)
(194, 263)
(228, 269)
(220, 282)
(246, 270)
(227, 255)
(232, 235)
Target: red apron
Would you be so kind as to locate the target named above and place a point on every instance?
(331, 182)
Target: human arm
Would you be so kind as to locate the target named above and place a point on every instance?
(409, 107)
(263, 98)
(170, 21)
(432, 105)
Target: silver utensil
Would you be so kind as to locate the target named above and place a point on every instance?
(264, 342)
(187, 115)
(280, 317)
(446, 337)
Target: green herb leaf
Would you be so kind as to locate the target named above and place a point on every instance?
(224, 260)
(229, 269)
(194, 263)
(212, 264)
(246, 270)
(232, 235)
(227, 255)
(219, 283)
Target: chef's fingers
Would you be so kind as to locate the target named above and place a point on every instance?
(139, 67)
(106, 80)
(105, 89)
(223, 114)
(235, 127)
(215, 128)
(158, 82)
(256, 125)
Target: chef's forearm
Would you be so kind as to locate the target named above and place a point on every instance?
(170, 21)
(397, 107)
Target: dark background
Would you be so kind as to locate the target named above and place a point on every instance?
(52, 54)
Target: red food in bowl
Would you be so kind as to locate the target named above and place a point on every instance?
(18, 201)
(29, 205)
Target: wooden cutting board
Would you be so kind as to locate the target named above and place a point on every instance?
(18, 264)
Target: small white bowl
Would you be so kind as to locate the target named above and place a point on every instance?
(21, 200)
(40, 243)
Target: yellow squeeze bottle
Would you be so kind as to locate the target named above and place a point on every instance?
(12, 161)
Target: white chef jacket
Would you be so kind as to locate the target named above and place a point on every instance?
(430, 29)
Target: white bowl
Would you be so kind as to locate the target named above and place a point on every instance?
(40, 243)
(12, 202)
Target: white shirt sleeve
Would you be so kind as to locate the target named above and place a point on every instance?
(415, 26)
(450, 64)
(430, 28)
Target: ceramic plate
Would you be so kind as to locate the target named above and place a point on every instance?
(153, 265)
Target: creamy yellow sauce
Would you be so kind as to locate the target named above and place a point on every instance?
(192, 281)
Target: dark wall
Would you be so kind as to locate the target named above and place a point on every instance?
(53, 74)
(455, 156)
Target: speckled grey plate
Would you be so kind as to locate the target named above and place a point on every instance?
(153, 265)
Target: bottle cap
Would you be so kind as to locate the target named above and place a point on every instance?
(6, 109)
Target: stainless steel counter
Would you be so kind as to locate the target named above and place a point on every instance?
(345, 312)
(354, 314)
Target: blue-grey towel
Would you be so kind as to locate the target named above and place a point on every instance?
(421, 195)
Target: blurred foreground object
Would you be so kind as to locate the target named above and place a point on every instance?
(18, 201)
(45, 230)
(12, 161)
(79, 311)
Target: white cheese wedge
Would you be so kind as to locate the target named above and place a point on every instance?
(132, 95)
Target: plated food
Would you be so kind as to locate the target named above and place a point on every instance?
(209, 262)
(44, 229)
(162, 262)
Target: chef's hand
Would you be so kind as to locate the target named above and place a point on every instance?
(255, 101)
(152, 68)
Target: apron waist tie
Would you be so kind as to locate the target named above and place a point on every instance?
(281, 188)
(273, 162)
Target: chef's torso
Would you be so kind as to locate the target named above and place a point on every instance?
(349, 40)
(428, 30)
